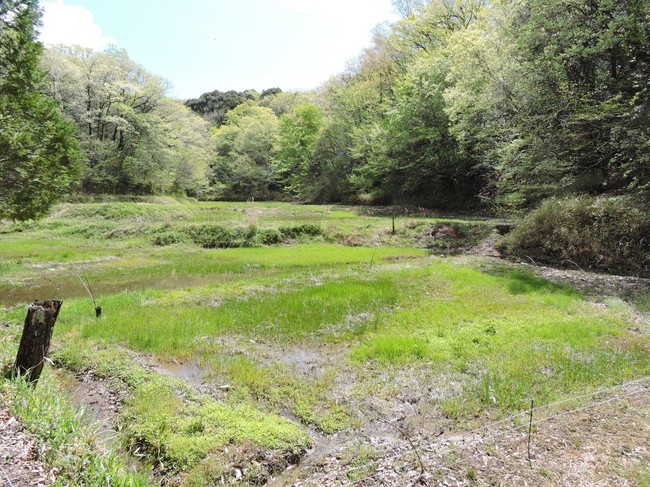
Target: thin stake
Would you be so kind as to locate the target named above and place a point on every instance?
(86, 284)
(372, 259)
(530, 428)
(6, 476)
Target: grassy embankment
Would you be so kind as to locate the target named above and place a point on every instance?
(361, 317)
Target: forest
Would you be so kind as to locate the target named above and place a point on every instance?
(458, 105)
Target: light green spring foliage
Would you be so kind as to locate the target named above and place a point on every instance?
(245, 146)
(299, 132)
(455, 105)
(133, 138)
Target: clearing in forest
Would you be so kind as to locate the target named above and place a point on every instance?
(311, 345)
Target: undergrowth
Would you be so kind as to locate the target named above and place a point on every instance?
(68, 439)
(603, 234)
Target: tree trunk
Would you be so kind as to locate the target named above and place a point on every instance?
(35, 342)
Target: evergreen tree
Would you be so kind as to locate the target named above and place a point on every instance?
(38, 152)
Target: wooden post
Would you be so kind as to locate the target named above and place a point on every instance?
(35, 341)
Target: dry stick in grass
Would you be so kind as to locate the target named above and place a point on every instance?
(530, 428)
(531, 259)
(86, 284)
(372, 259)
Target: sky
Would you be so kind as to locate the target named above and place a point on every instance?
(205, 45)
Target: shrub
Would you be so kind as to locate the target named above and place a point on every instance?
(268, 237)
(605, 234)
(169, 238)
(213, 236)
(296, 231)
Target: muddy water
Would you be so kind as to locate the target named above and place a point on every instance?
(55, 288)
(307, 361)
(192, 373)
(100, 403)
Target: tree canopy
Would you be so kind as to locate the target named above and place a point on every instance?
(458, 104)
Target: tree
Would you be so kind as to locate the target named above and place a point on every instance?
(173, 153)
(589, 110)
(214, 105)
(112, 99)
(38, 153)
(245, 146)
(294, 162)
(547, 94)
(134, 139)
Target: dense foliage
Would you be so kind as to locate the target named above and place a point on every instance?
(606, 234)
(459, 104)
(214, 105)
(470, 103)
(38, 152)
(134, 139)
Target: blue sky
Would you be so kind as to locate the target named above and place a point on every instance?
(202, 45)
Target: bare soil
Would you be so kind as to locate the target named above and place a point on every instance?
(605, 442)
(20, 456)
(99, 397)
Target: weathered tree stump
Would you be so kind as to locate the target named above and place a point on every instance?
(35, 341)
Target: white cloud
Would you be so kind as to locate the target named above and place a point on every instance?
(71, 25)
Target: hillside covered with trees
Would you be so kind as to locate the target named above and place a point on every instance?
(460, 104)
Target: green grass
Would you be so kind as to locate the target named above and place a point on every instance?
(514, 336)
(183, 433)
(178, 429)
(367, 306)
(643, 302)
(175, 329)
(69, 439)
(305, 398)
(392, 349)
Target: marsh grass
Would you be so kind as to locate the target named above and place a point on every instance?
(68, 439)
(504, 335)
(282, 315)
(512, 335)
(177, 428)
(308, 399)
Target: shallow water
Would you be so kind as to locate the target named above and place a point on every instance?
(51, 289)
(190, 372)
